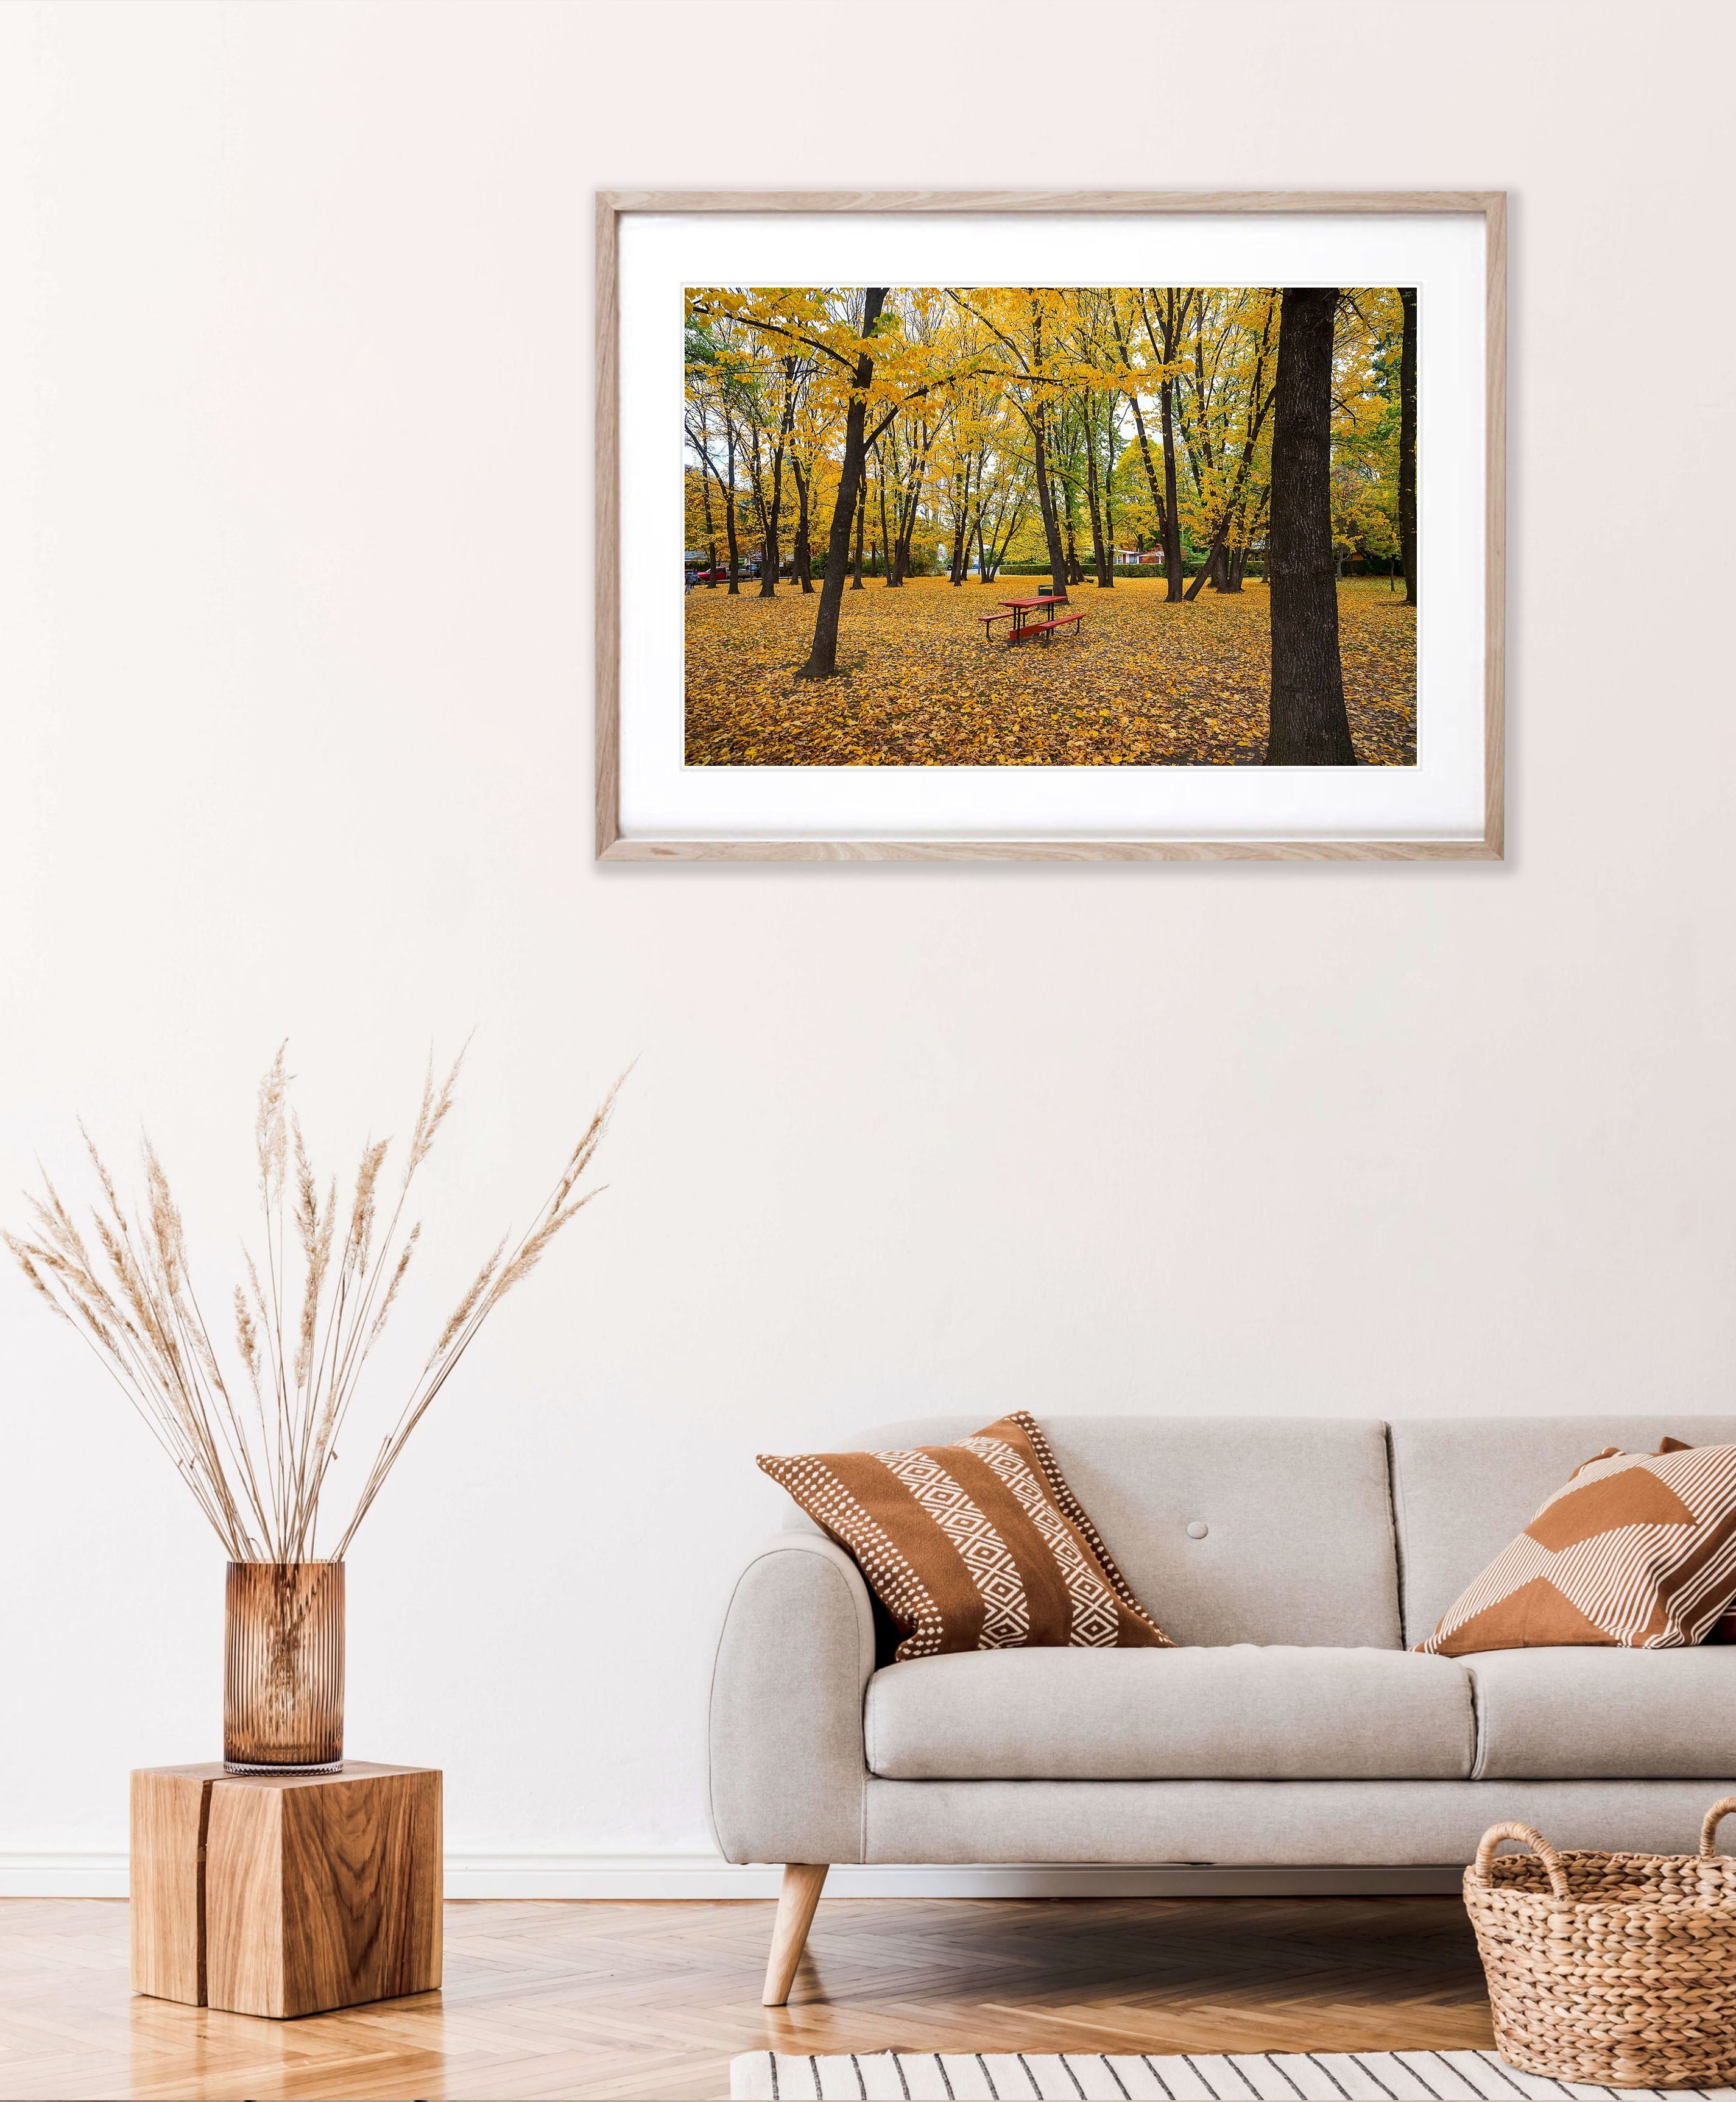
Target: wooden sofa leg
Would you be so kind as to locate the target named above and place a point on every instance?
(803, 1884)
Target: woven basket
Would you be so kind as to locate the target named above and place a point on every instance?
(1617, 1969)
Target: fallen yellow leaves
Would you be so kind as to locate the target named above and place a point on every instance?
(1147, 684)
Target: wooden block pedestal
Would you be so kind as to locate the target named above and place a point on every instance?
(282, 1894)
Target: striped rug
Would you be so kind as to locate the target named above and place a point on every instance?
(1312, 2076)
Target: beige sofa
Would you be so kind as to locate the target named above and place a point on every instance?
(1297, 1560)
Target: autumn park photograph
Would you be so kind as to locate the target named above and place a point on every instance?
(1028, 526)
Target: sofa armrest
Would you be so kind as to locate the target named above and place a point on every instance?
(788, 1772)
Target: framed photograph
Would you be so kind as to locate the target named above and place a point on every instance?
(1058, 526)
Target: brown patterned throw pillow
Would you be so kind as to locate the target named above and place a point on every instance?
(976, 1545)
(1638, 1551)
(1723, 1630)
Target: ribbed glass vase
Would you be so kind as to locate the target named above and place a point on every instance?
(283, 1668)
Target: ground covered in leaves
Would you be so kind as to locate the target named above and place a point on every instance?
(1147, 684)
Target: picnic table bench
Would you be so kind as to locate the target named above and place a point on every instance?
(1020, 612)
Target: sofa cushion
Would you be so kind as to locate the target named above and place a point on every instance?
(1173, 1714)
(1251, 1825)
(1604, 1714)
(1235, 1529)
(1463, 1487)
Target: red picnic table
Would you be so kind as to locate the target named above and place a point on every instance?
(1020, 612)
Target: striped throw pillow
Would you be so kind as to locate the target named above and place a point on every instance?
(1638, 1551)
(976, 1545)
(1723, 1630)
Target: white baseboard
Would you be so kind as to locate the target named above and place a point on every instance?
(95, 1875)
(63, 1875)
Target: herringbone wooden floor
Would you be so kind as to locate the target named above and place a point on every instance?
(651, 2000)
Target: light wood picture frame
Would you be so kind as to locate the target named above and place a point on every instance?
(1481, 837)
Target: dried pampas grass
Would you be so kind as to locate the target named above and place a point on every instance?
(255, 1450)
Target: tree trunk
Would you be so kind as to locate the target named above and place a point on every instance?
(1109, 490)
(1144, 442)
(1046, 504)
(910, 511)
(704, 486)
(1099, 553)
(1151, 471)
(1174, 318)
(1012, 517)
(906, 529)
(1407, 443)
(735, 550)
(803, 556)
(961, 529)
(756, 495)
(1216, 569)
(1208, 569)
(768, 557)
(1172, 519)
(886, 545)
(1309, 725)
(1233, 561)
(861, 514)
(895, 544)
(1045, 495)
(822, 659)
(773, 511)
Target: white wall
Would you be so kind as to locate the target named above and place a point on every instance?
(295, 574)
